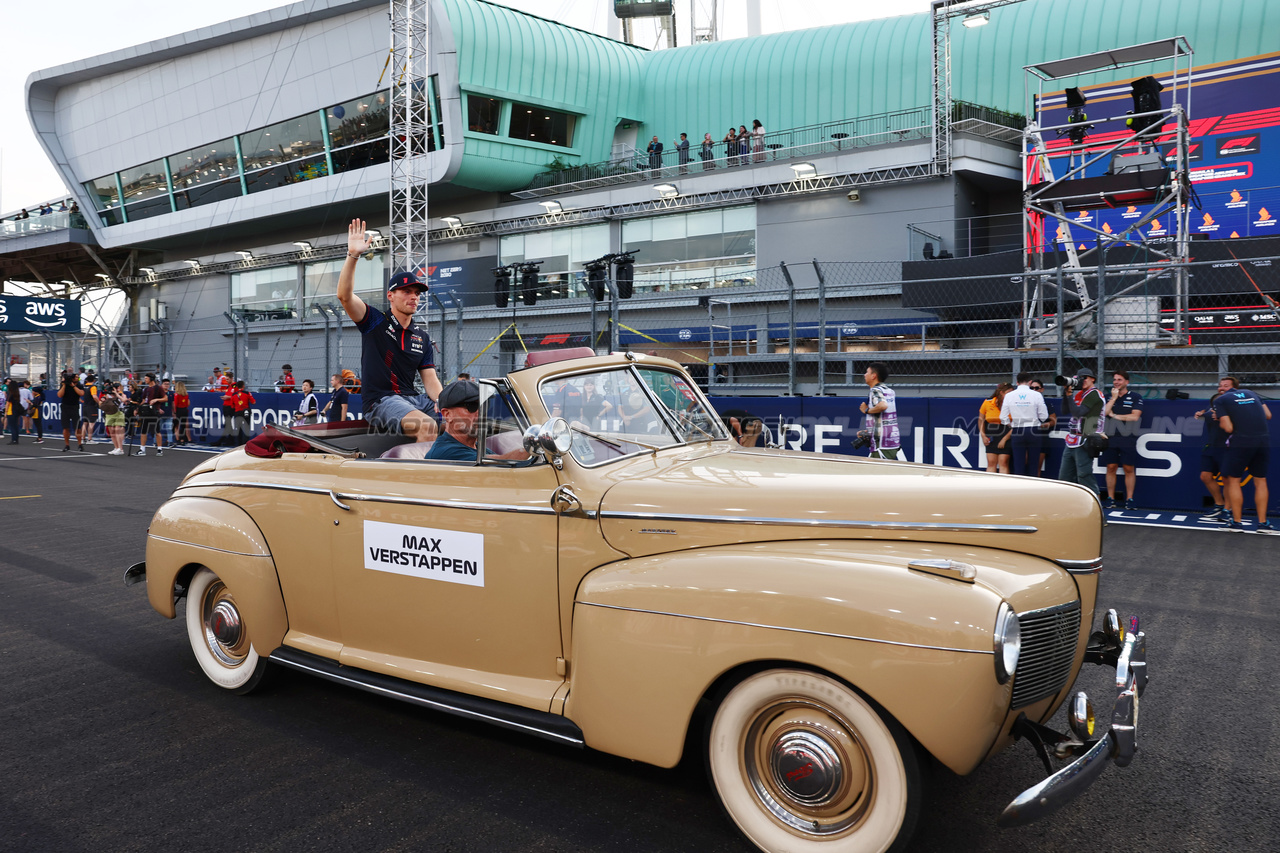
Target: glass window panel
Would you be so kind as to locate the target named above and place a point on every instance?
(359, 156)
(588, 243)
(511, 249)
(145, 181)
(146, 209)
(704, 222)
(280, 143)
(206, 164)
(284, 174)
(204, 193)
(739, 243)
(267, 294)
(359, 120)
(740, 219)
(637, 231)
(540, 124)
(544, 243)
(103, 191)
(320, 282)
(669, 227)
(482, 114)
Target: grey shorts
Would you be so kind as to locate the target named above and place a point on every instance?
(386, 414)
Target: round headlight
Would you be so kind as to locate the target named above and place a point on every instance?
(1008, 642)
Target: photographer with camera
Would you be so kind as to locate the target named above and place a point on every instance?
(1086, 436)
(881, 410)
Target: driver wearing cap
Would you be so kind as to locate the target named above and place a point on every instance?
(393, 348)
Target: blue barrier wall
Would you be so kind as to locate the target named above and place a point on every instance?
(936, 431)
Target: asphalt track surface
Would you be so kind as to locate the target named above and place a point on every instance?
(111, 739)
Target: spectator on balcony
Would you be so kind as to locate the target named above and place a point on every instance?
(62, 208)
(74, 218)
(655, 155)
(744, 144)
(731, 146)
(46, 208)
(707, 153)
(682, 153)
(757, 141)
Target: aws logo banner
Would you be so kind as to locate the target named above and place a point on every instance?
(25, 314)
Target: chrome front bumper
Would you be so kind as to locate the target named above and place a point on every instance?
(1128, 654)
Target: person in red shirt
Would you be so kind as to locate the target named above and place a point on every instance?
(241, 401)
(181, 414)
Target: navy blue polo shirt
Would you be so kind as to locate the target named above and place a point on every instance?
(1125, 432)
(336, 403)
(1248, 421)
(391, 356)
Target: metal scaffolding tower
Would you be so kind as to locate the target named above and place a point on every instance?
(410, 137)
(972, 12)
(1139, 172)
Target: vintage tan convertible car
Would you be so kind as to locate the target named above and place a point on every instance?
(836, 624)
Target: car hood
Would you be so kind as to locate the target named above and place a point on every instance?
(705, 498)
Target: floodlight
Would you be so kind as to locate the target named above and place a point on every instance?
(553, 207)
(667, 190)
(248, 256)
(979, 20)
(194, 263)
(804, 170)
(451, 221)
(303, 245)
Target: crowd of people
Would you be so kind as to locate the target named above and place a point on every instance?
(741, 146)
(67, 206)
(1016, 421)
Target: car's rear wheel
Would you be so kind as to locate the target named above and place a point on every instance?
(219, 638)
(801, 762)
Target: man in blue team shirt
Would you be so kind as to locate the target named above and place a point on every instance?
(393, 348)
(1243, 416)
(1124, 418)
(1215, 446)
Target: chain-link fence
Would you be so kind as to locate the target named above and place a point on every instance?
(806, 328)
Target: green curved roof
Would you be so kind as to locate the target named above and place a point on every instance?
(802, 77)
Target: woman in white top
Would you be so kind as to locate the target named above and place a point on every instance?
(757, 141)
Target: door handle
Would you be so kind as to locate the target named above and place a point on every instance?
(563, 500)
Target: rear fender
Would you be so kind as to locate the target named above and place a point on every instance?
(189, 532)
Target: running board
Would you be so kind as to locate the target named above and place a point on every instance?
(539, 723)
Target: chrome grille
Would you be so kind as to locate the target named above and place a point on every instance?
(1049, 639)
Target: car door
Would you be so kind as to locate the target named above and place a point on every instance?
(446, 574)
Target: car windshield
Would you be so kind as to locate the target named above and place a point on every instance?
(625, 410)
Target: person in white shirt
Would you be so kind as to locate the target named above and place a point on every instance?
(1024, 410)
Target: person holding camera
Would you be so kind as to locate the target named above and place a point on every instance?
(1086, 407)
(69, 394)
(1124, 418)
(881, 410)
(111, 402)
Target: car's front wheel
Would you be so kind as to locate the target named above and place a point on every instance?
(803, 763)
(219, 638)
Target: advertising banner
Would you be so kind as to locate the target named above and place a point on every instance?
(1234, 129)
(30, 314)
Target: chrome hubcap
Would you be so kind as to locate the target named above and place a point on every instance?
(224, 632)
(808, 768)
(225, 623)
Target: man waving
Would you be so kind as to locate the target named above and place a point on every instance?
(393, 348)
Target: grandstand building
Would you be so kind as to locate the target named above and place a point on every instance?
(216, 171)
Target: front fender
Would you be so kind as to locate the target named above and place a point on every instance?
(652, 635)
(196, 531)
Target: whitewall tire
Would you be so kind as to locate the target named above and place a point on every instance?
(219, 638)
(801, 762)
